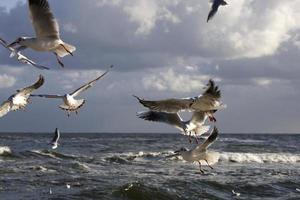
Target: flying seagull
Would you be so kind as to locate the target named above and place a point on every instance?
(46, 30)
(55, 139)
(194, 125)
(208, 102)
(20, 99)
(70, 103)
(20, 57)
(215, 7)
(200, 152)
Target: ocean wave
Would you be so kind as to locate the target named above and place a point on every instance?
(141, 191)
(52, 154)
(80, 166)
(4, 151)
(259, 157)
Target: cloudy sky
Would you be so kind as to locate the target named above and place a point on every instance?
(161, 49)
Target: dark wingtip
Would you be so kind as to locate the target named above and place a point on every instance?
(138, 98)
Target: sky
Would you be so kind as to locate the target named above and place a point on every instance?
(160, 49)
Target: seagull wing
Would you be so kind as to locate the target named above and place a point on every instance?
(28, 90)
(43, 20)
(168, 105)
(49, 96)
(209, 100)
(211, 139)
(26, 60)
(168, 118)
(56, 136)
(213, 10)
(89, 84)
(5, 108)
(21, 57)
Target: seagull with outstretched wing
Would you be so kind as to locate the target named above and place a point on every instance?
(70, 103)
(208, 102)
(20, 99)
(46, 30)
(200, 152)
(214, 8)
(194, 125)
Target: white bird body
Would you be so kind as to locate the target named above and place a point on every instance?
(19, 101)
(194, 125)
(200, 153)
(42, 44)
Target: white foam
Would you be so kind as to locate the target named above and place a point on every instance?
(5, 150)
(260, 157)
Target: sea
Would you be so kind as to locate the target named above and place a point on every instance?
(111, 166)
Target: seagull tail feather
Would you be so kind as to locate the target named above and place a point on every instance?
(64, 50)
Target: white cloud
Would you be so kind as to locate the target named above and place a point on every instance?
(170, 80)
(262, 81)
(7, 81)
(69, 27)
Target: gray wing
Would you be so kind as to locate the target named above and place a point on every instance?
(35, 86)
(211, 139)
(56, 136)
(168, 118)
(5, 108)
(89, 84)
(43, 20)
(213, 10)
(50, 96)
(209, 100)
(21, 57)
(168, 105)
(25, 60)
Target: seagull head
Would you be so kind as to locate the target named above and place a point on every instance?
(19, 41)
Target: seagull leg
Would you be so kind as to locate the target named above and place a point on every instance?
(208, 164)
(200, 167)
(58, 60)
(76, 112)
(66, 49)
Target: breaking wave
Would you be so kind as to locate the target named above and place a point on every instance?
(5, 151)
(259, 157)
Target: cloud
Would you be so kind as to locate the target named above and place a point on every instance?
(170, 80)
(7, 81)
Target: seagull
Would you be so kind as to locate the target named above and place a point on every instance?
(200, 152)
(194, 125)
(55, 139)
(46, 30)
(215, 7)
(20, 99)
(208, 102)
(234, 193)
(70, 103)
(20, 57)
